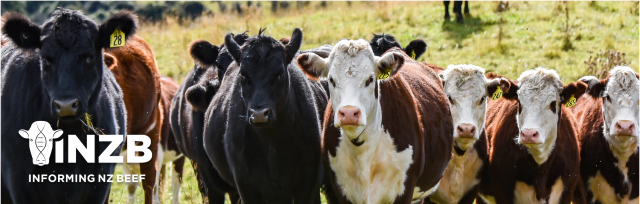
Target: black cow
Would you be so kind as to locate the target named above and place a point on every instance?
(380, 43)
(457, 8)
(187, 114)
(56, 73)
(263, 134)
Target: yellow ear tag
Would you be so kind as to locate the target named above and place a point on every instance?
(497, 94)
(413, 54)
(384, 75)
(117, 38)
(571, 102)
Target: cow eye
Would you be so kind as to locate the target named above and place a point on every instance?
(369, 81)
(552, 106)
(450, 99)
(46, 65)
(608, 98)
(332, 82)
(481, 100)
(89, 59)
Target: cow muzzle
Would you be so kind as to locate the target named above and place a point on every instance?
(260, 116)
(66, 107)
(624, 128)
(530, 136)
(349, 116)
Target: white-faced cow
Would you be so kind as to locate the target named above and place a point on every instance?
(385, 140)
(609, 137)
(534, 155)
(263, 134)
(466, 87)
(56, 73)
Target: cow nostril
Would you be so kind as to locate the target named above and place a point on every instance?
(341, 113)
(473, 130)
(356, 114)
(75, 104)
(460, 130)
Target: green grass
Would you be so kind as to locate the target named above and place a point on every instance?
(532, 36)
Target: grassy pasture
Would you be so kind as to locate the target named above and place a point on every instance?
(528, 35)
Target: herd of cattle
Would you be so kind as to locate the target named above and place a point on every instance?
(361, 122)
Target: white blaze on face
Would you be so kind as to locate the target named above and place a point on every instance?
(620, 107)
(466, 87)
(539, 95)
(40, 137)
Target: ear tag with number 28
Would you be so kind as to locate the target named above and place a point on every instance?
(117, 38)
(497, 94)
(571, 102)
(384, 75)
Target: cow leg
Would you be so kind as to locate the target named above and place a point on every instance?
(156, 186)
(466, 7)
(131, 186)
(176, 178)
(161, 180)
(234, 197)
(208, 181)
(457, 9)
(150, 169)
(446, 10)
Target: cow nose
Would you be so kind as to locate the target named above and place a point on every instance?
(529, 136)
(466, 130)
(624, 127)
(66, 107)
(349, 115)
(259, 116)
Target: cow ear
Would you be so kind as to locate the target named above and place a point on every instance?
(389, 63)
(196, 95)
(241, 38)
(575, 89)
(233, 48)
(492, 85)
(21, 31)
(595, 86)
(285, 41)
(124, 21)
(57, 133)
(24, 134)
(203, 52)
(508, 89)
(416, 48)
(441, 76)
(313, 65)
(294, 45)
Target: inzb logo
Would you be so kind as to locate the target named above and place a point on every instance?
(41, 140)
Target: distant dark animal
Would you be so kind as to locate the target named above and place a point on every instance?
(56, 73)
(192, 10)
(542, 164)
(153, 12)
(369, 155)
(263, 134)
(284, 5)
(380, 43)
(457, 8)
(187, 114)
(609, 137)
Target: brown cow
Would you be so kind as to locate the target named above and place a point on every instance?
(171, 151)
(385, 140)
(134, 67)
(609, 138)
(534, 152)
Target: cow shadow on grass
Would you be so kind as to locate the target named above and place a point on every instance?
(460, 31)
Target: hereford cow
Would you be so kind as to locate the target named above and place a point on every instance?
(135, 69)
(466, 87)
(170, 151)
(263, 134)
(534, 155)
(56, 73)
(609, 138)
(369, 154)
(187, 114)
(380, 43)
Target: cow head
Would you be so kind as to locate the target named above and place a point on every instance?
(40, 138)
(466, 88)
(380, 43)
(352, 70)
(619, 93)
(540, 97)
(216, 61)
(70, 51)
(264, 77)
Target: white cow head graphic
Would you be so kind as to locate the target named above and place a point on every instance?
(40, 141)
